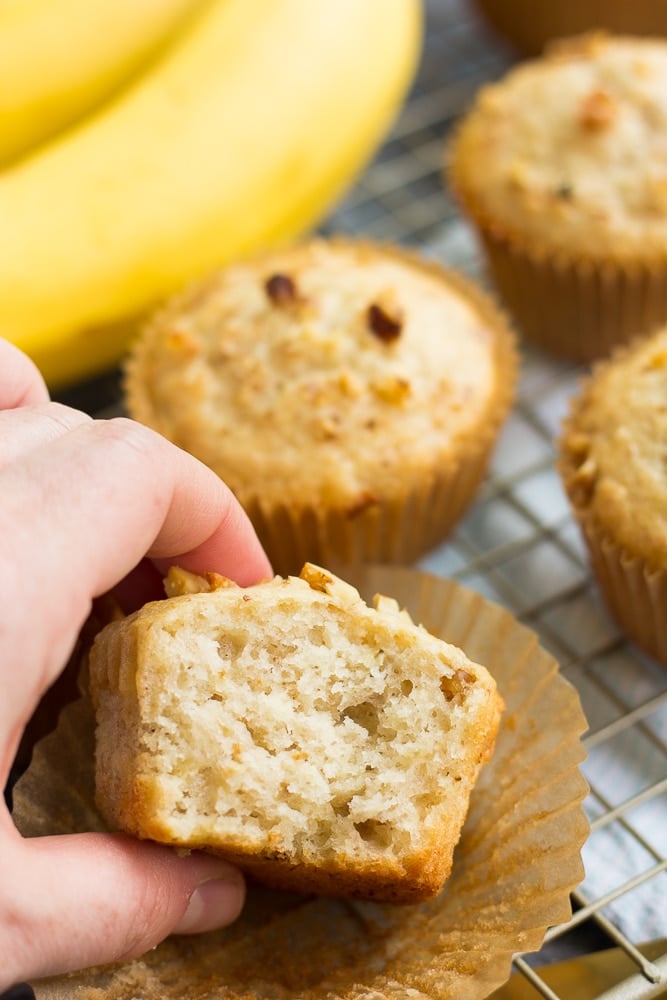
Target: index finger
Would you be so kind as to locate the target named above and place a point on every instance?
(78, 515)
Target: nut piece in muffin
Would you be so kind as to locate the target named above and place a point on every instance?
(320, 744)
(348, 394)
(562, 168)
(613, 462)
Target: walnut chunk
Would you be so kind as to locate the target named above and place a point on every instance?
(598, 111)
(384, 321)
(319, 579)
(349, 385)
(390, 606)
(183, 342)
(365, 500)
(657, 360)
(180, 581)
(329, 426)
(583, 482)
(578, 447)
(455, 685)
(281, 290)
(392, 388)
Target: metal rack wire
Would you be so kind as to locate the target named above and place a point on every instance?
(519, 545)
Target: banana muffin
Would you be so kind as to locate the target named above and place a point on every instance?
(349, 394)
(562, 168)
(320, 744)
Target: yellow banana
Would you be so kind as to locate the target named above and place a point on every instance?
(242, 136)
(59, 60)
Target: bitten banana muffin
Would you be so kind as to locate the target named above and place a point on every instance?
(562, 168)
(320, 744)
(348, 394)
(613, 452)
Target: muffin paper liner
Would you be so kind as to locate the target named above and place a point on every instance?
(635, 594)
(530, 26)
(575, 309)
(634, 589)
(393, 531)
(514, 868)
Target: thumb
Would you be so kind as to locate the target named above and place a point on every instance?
(86, 899)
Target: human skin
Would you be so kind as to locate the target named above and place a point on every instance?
(87, 506)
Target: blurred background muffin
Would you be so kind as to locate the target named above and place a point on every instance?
(348, 394)
(613, 468)
(529, 24)
(562, 168)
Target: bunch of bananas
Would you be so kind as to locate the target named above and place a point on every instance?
(144, 142)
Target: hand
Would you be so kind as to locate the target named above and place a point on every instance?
(82, 502)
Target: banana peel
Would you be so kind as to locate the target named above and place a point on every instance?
(240, 137)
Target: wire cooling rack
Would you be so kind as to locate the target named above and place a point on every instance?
(519, 545)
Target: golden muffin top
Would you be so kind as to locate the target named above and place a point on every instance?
(323, 373)
(568, 153)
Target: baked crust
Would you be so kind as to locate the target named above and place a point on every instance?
(565, 157)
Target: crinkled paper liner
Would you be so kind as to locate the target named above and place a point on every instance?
(517, 862)
(579, 310)
(531, 24)
(390, 531)
(636, 594)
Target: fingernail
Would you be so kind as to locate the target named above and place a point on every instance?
(213, 904)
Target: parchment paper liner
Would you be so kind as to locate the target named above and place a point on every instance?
(635, 594)
(576, 309)
(397, 530)
(403, 525)
(515, 866)
(530, 25)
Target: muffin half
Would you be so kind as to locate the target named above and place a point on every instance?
(348, 394)
(320, 744)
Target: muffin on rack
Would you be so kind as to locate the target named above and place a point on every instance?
(562, 169)
(349, 394)
(613, 466)
(320, 744)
